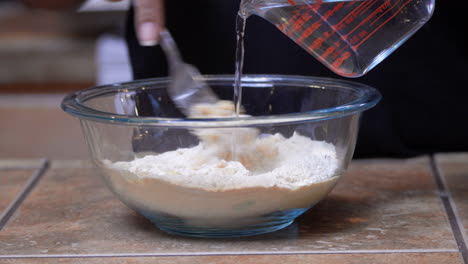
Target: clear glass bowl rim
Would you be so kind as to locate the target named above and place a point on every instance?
(367, 98)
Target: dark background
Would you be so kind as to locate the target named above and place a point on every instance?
(424, 82)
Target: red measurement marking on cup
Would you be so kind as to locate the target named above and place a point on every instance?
(331, 12)
(298, 21)
(381, 25)
(359, 10)
(370, 3)
(356, 25)
(350, 3)
(298, 24)
(384, 13)
(312, 28)
(346, 74)
(380, 9)
(294, 21)
(336, 28)
(341, 24)
(309, 31)
(338, 62)
(327, 53)
(284, 26)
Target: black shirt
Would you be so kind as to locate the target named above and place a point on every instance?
(424, 82)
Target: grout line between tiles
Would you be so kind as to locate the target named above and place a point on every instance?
(23, 194)
(453, 205)
(450, 207)
(270, 253)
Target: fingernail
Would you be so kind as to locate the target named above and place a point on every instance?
(147, 34)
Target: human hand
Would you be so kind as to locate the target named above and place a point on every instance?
(149, 20)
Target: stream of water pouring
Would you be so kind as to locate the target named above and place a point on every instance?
(239, 65)
(240, 31)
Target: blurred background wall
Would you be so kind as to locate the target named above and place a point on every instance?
(43, 56)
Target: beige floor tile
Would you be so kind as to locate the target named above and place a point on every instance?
(454, 170)
(427, 258)
(12, 182)
(379, 205)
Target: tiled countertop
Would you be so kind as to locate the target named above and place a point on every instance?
(382, 211)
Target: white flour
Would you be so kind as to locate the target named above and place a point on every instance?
(297, 162)
(205, 187)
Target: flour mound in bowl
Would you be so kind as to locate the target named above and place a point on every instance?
(209, 186)
(292, 163)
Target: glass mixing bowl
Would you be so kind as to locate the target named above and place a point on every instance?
(129, 122)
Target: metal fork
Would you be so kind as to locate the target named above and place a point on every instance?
(187, 86)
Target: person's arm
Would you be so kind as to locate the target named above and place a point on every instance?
(53, 4)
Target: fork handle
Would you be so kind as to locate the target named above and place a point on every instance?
(170, 48)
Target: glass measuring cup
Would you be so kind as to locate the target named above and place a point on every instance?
(350, 37)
